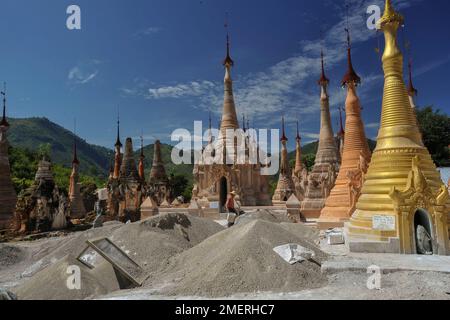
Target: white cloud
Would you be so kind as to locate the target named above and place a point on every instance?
(290, 86)
(147, 32)
(374, 125)
(83, 73)
(182, 90)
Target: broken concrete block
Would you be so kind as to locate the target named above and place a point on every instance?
(293, 253)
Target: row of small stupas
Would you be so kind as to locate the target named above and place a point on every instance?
(127, 186)
(42, 207)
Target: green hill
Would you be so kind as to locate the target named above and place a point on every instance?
(31, 133)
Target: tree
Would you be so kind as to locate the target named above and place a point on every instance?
(178, 185)
(308, 161)
(44, 151)
(435, 128)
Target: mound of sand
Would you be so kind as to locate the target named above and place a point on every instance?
(51, 283)
(151, 243)
(309, 234)
(241, 260)
(265, 215)
(71, 245)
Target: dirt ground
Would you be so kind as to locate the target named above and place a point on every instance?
(342, 286)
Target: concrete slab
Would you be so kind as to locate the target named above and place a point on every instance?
(388, 263)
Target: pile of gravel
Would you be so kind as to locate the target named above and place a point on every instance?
(265, 215)
(51, 282)
(151, 243)
(241, 260)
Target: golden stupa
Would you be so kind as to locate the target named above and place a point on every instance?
(402, 192)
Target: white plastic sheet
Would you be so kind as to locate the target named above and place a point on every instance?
(293, 253)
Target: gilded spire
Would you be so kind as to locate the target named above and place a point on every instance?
(411, 90)
(401, 176)
(4, 122)
(390, 17)
(350, 76)
(396, 110)
(323, 81)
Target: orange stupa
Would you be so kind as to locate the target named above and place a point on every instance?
(356, 156)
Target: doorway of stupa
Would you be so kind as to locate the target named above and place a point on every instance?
(223, 193)
(423, 233)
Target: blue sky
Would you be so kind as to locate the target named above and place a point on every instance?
(160, 62)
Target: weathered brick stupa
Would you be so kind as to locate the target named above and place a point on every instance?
(300, 173)
(212, 182)
(404, 206)
(8, 197)
(356, 154)
(321, 179)
(285, 187)
(77, 209)
(125, 189)
(41, 208)
(158, 181)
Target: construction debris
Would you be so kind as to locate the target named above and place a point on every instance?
(121, 262)
(293, 253)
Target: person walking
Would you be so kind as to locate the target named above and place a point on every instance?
(232, 208)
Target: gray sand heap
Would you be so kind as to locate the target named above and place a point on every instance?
(150, 243)
(153, 241)
(264, 214)
(51, 283)
(242, 260)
